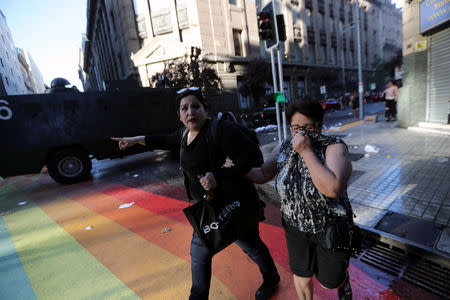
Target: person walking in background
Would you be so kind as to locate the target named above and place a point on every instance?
(390, 101)
(202, 164)
(312, 173)
(354, 103)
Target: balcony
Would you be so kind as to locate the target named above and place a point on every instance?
(297, 33)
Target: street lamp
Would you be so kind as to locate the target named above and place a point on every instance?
(360, 82)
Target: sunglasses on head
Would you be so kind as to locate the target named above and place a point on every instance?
(194, 88)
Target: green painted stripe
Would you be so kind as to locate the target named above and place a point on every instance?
(14, 282)
(57, 266)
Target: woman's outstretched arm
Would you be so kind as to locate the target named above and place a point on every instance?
(267, 171)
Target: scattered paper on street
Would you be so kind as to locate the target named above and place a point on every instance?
(126, 205)
(371, 149)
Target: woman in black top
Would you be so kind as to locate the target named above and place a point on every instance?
(201, 161)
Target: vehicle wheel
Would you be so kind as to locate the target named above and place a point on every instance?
(69, 165)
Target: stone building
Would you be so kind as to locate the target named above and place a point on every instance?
(227, 33)
(12, 80)
(32, 76)
(425, 95)
(111, 38)
(321, 43)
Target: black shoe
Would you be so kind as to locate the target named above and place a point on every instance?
(345, 291)
(268, 287)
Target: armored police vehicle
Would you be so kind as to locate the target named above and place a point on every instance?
(64, 129)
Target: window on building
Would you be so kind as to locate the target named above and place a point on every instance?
(312, 53)
(233, 2)
(332, 29)
(298, 52)
(1, 61)
(321, 22)
(308, 17)
(323, 56)
(352, 55)
(237, 39)
(301, 87)
(7, 81)
(3, 38)
(333, 55)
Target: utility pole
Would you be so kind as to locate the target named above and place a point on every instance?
(341, 31)
(360, 82)
(275, 88)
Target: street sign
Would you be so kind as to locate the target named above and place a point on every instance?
(373, 86)
(323, 89)
(279, 97)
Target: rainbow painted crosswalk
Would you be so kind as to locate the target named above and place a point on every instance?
(74, 242)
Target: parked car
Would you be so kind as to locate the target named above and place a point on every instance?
(330, 104)
(269, 116)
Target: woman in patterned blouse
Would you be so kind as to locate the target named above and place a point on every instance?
(312, 176)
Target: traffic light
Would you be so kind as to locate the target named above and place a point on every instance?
(268, 26)
(281, 28)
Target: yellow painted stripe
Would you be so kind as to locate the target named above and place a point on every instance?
(150, 271)
(367, 119)
(57, 266)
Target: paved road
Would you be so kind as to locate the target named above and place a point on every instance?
(76, 242)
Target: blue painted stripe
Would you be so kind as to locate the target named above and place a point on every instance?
(14, 283)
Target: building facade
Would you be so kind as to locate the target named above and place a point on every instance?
(321, 45)
(31, 74)
(111, 38)
(425, 95)
(314, 53)
(12, 80)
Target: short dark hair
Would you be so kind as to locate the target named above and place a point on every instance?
(310, 108)
(197, 93)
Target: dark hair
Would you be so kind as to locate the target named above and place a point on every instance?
(197, 93)
(310, 108)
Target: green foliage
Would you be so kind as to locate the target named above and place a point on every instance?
(189, 72)
(379, 73)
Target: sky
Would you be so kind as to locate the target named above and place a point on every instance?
(51, 32)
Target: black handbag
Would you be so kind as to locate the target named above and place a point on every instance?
(341, 234)
(218, 222)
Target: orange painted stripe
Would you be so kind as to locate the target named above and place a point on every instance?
(231, 266)
(150, 271)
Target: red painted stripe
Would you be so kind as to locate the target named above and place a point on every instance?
(364, 286)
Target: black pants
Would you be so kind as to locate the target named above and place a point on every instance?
(201, 260)
(391, 109)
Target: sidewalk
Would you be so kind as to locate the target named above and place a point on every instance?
(404, 189)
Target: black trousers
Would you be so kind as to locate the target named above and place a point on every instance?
(201, 259)
(391, 109)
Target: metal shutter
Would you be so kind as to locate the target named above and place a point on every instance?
(439, 77)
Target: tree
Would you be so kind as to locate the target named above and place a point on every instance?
(189, 72)
(257, 75)
(379, 74)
